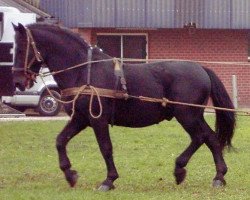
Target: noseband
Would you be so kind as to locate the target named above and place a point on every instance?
(29, 74)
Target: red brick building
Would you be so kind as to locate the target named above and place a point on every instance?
(213, 31)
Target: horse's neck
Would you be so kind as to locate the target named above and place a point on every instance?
(61, 56)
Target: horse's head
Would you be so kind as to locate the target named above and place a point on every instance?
(27, 58)
(56, 47)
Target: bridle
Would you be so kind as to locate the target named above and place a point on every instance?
(29, 74)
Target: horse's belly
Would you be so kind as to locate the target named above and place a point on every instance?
(140, 115)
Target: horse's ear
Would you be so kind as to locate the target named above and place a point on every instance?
(15, 27)
(19, 28)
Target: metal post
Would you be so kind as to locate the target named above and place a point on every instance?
(235, 91)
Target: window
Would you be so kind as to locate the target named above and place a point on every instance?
(123, 46)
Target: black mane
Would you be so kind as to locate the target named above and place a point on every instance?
(60, 29)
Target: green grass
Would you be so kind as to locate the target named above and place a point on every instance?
(144, 159)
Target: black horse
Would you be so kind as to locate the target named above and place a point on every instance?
(189, 82)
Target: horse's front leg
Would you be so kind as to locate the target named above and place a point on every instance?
(74, 126)
(101, 130)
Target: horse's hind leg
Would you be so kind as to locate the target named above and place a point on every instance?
(200, 132)
(101, 130)
(74, 126)
(213, 144)
(193, 127)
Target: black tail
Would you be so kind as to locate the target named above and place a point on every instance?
(225, 120)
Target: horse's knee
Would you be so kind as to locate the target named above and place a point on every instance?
(59, 143)
(61, 148)
(212, 141)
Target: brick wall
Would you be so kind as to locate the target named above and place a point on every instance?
(213, 45)
(205, 45)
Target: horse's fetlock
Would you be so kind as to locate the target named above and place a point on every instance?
(114, 177)
(65, 167)
(222, 169)
(181, 162)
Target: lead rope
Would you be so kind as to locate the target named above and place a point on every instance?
(94, 91)
(165, 101)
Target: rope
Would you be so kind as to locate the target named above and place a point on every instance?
(74, 67)
(163, 101)
(91, 103)
(73, 101)
(185, 60)
(142, 60)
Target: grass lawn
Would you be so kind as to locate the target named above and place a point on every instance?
(144, 159)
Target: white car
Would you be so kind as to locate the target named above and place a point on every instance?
(37, 97)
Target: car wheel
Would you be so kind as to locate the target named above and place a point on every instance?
(48, 105)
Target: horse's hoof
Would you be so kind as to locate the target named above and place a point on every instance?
(218, 183)
(105, 188)
(180, 175)
(71, 177)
